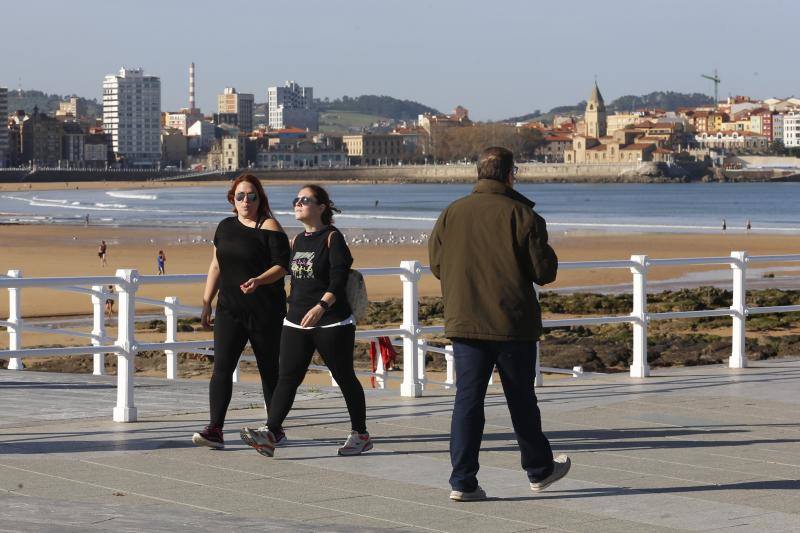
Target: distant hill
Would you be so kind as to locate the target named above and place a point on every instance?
(370, 104)
(669, 101)
(47, 103)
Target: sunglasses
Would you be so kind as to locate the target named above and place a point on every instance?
(303, 200)
(251, 196)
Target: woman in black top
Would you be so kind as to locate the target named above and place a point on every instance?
(250, 260)
(319, 318)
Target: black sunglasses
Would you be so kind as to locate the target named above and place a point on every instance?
(303, 200)
(251, 196)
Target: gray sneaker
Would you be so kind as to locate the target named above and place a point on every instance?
(356, 444)
(263, 441)
(260, 433)
(472, 496)
(561, 466)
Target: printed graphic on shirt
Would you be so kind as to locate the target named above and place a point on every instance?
(303, 265)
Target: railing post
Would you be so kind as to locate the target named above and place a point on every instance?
(125, 411)
(172, 334)
(639, 367)
(450, 380)
(380, 370)
(15, 321)
(98, 328)
(422, 351)
(411, 387)
(738, 358)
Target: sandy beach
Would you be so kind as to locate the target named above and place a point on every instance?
(39, 250)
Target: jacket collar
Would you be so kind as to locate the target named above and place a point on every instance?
(495, 187)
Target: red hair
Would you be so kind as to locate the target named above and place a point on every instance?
(263, 204)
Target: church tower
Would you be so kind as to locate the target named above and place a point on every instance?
(596, 123)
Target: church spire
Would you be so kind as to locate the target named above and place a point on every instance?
(595, 117)
(597, 98)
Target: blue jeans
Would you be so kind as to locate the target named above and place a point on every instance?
(474, 362)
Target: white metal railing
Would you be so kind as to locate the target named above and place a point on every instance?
(410, 332)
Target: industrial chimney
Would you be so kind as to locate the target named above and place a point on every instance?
(191, 88)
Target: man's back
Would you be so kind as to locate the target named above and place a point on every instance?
(488, 249)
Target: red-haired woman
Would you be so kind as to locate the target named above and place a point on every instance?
(250, 260)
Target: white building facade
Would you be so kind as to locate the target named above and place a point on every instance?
(132, 116)
(791, 129)
(292, 106)
(201, 135)
(3, 127)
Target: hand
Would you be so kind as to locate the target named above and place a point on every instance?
(250, 285)
(205, 317)
(312, 317)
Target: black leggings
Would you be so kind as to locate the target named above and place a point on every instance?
(335, 345)
(231, 333)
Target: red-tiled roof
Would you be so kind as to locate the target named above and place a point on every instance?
(557, 138)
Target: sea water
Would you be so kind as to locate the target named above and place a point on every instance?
(680, 207)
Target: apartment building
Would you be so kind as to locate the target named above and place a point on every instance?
(132, 116)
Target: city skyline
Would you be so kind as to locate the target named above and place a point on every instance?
(502, 61)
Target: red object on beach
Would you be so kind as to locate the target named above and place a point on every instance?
(388, 355)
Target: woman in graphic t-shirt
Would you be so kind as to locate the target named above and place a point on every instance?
(319, 318)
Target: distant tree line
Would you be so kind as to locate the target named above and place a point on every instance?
(371, 104)
(47, 103)
(666, 100)
(466, 143)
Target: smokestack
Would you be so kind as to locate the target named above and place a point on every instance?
(191, 88)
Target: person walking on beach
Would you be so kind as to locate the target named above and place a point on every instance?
(248, 265)
(319, 318)
(161, 260)
(724, 225)
(110, 302)
(102, 253)
(493, 317)
(748, 226)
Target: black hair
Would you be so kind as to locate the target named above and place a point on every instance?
(323, 198)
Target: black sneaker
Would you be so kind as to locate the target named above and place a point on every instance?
(561, 465)
(210, 437)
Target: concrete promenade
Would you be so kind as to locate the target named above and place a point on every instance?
(693, 449)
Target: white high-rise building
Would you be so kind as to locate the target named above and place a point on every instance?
(791, 129)
(240, 104)
(292, 106)
(132, 116)
(3, 127)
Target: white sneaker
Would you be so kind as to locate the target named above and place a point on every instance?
(472, 496)
(260, 433)
(356, 444)
(263, 441)
(561, 466)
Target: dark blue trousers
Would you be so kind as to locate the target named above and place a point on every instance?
(474, 362)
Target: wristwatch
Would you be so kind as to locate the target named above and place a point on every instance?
(324, 304)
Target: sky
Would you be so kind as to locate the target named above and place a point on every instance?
(498, 59)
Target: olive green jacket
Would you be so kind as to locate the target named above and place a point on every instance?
(488, 249)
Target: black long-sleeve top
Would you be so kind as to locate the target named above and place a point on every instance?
(316, 269)
(243, 253)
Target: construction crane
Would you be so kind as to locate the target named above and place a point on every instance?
(716, 80)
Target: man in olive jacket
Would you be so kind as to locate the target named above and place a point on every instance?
(488, 249)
